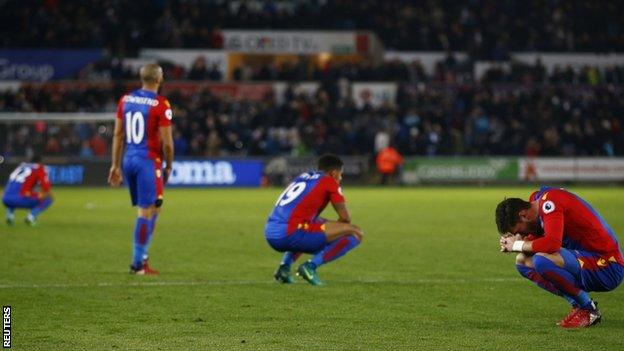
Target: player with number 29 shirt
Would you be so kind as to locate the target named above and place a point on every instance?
(294, 225)
(143, 128)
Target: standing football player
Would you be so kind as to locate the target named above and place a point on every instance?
(294, 225)
(143, 126)
(565, 247)
(20, 191)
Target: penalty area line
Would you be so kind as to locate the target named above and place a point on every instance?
(255, 282)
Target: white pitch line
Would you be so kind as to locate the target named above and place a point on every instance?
(255, 282)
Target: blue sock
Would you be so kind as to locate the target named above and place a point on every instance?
(533, 276)
(289, 258)
(563, 280)
(141, 231)
(335, 249)
(10, 213)
(42, 206)
(150, 234)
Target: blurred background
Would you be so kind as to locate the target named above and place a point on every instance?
(409, 92)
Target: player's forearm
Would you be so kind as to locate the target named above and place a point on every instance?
(166, 135)
(343, 213)
(546, 244)
(168, 154)
(116, 149)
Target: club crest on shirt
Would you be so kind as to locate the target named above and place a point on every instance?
(548, 207)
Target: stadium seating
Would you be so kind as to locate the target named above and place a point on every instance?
(432, 119)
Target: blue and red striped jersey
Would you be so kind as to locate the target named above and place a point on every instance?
(305, 198)
(142, 112)
(572, 223)
(25, 178)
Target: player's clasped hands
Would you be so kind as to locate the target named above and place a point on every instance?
(506, 241)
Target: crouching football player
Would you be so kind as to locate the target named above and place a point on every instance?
(294, 226)
(564, 247)
(20, 191)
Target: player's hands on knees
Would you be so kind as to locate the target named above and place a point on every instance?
(114, 176)
(358, 232)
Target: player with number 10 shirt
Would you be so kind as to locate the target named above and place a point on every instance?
(294, 225)
(143, 129)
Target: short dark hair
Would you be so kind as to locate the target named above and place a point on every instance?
(36, 158)
(508, 213)
(329, 162)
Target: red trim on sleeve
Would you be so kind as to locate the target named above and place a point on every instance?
(120, 106)
(164, 112)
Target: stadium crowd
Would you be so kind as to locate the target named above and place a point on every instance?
(472, 26)
(449, 70)
(425, 119)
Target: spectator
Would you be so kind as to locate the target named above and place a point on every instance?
(99, 145)
(424, 119)
(85, 149)
(215, 73)
(487, 29)
(388, 162)
(198, 70)
(181, 144)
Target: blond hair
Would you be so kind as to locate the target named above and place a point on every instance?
(151, 73)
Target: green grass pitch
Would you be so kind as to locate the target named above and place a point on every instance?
(428, 276)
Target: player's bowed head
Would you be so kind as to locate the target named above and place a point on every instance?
(515, 219)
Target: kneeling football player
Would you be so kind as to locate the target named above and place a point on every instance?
(20, 191)
(565, 247)
(294, 226)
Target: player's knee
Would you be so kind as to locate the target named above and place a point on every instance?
(521, 259)
(541, 262)
(356, 240)
(145, 212)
